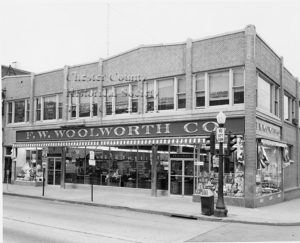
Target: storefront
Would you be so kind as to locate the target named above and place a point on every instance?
(272, 158)
(128, 156)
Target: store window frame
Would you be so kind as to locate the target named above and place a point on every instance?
(153, 98)
(205, 88)
(289, 108)
(274, 108)
(39, 108)
(74, 103)
(11, 115)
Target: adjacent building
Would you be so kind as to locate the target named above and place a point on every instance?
(141, 120)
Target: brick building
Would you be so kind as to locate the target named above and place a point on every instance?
(140, 120)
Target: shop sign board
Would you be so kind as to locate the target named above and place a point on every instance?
(215, 161)
(268, 130)
(92, 155)
(199, 163)
(92, 162)
(149, 130)
(44, 162)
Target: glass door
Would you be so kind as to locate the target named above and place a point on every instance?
(54, 171)
(176, 177)
(182, 177)
(188, 177)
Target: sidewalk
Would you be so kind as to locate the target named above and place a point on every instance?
(286, 213)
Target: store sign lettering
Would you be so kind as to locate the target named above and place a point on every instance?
(180, 129)
(268, 130)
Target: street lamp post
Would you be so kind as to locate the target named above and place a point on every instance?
(221, 210)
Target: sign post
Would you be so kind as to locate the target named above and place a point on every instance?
(92, 162)
(220, 134)
(7, 175)
(44, 164)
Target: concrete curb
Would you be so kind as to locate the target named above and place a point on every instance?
(169, 214)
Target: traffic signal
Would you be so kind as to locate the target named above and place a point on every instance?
(232, 140)
(210, 143)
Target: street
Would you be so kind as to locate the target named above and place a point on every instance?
(34, 220)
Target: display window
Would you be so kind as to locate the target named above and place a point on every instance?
(207, 171)
(115, 166)
(29, 165)
(269, 169)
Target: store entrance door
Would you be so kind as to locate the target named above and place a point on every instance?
(182, 177)
(54, 171)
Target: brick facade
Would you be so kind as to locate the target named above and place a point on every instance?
(239, 49)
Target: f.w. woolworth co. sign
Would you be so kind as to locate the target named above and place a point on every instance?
(168, 129)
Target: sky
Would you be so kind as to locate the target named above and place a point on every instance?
(42, 35)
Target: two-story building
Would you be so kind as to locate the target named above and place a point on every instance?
(141, 119)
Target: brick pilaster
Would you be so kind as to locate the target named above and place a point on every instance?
(297, 133)
(65, 108)
(32, 88)
(250, 117)
(188, 74)
(100, 90)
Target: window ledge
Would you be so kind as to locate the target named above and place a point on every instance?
(18, 124)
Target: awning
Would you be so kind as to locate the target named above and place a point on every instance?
(273, 143)
(116, 142)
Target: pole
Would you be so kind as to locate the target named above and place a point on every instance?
(7, 175)
(92, 188)
(220, 210)
(43, 181)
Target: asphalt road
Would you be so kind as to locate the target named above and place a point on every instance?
(34, 220)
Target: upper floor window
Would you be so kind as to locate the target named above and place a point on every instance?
(27, 110)
(218, 88)
(181, 98)
(49, 107)
(276, 101)
(238, 85)
(286, 102)
(149, 94)
(165, 94)
(60, 106)
(38, 108)
(264, 95)
(122, 94)
(18, 111)
(10, 112)
(200, 90)
(289, 108)
(134, 98)
(108, 100)
(83, 103)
